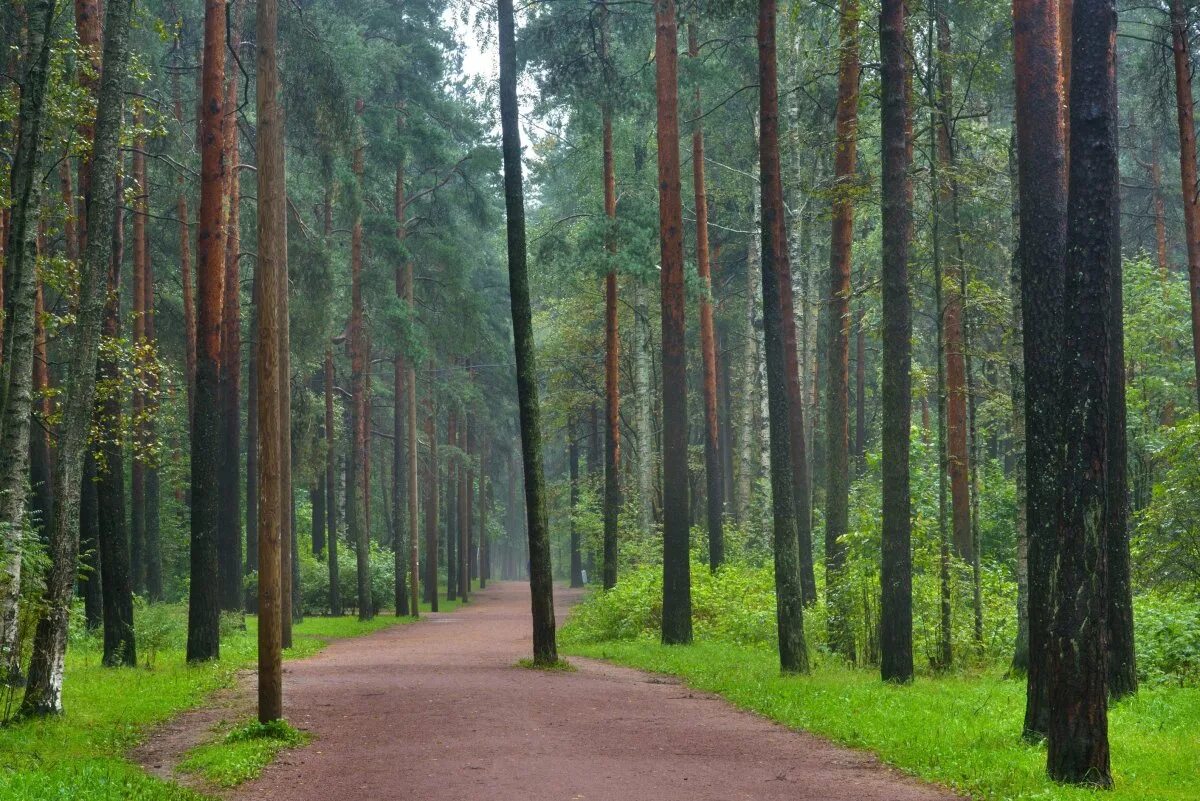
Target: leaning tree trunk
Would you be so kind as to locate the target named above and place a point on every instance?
(204, 610)
(43, 692)
(1077, 736)
(541, 585)
(789, 604)
(896, 662)
(16, 399)
(837, 418)
(271, 341)
(1041, 167)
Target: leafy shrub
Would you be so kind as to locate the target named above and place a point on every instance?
(1168, 639)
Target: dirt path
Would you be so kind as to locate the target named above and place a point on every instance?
(437, 711)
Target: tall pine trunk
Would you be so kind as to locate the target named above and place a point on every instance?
(1077, 735)
(359, 404)
(271, 341)
(714, 483)
(545, 650)
(204, 611)
(789, 604)
(612, 346)
(1041, 167)
(896, 662)
(837, 418)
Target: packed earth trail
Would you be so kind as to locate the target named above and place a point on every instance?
(440, 710)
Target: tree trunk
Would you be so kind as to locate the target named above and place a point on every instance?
(714, 483)
(677, 593)
(541, 585)
(432, 474)
(137, 472)
(612, 352)
(952, 325)
(204, 599)
(335, 597)
(1077, 736)
(252, 482)
(896, 658)
(401, 533)
(646, 465)
(573, 467)
(358, 387)
(271, 342)
(1041, 164)
(185, 249)
(229, 527)
(1016, 369)
(837, 422)
(16, 369)
(789, 605)
(452, 506)
(43, 692)
(464, 513)
(89, 547)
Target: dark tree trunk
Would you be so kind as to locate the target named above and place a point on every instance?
(43, 691)
(452, 506)
(359, 403)
(677, 589)
(432, 477)
(137, 470)
(116, 579)
(1185, 108)
(152, 554)
(1077, 736)
(464, 513)
(1041, 167)
(204, 599)
(789, 605)
(402, 532)
(837, 417)
(896, 658)
(541, 577)
(335, 598)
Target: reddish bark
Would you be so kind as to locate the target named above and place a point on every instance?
(612, 352)
(714, 484)
(677, 592)
(229, 554)
(837, 422)
(1185, 106)
(204, 600)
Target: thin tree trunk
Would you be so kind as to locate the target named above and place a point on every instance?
(646, 464)
(714, 483)
(358, 390)
(451, 496)
(1041, 164)
(837, 422)
(204, 609)
(541, 585)
(271, 343)
(252, 482)
(402, 534)
(1016, 368)
(229, 533)
(464, 513)
(335, 596)
(573, 475)
(789, 605)
(185, 251)
(137, 471)
(896, 662)
(1077, 736)
(432, 474)
(43, 692)
(612, 349)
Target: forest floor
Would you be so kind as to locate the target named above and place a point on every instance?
(441, 710)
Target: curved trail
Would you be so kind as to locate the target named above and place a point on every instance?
(437, 711)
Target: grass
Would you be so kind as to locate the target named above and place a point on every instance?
(81, 754)
(242, 753)
(960, 731)
(557, 666)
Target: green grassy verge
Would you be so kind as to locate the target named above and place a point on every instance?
(81, 755)
(960, 731)
(242, 752)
